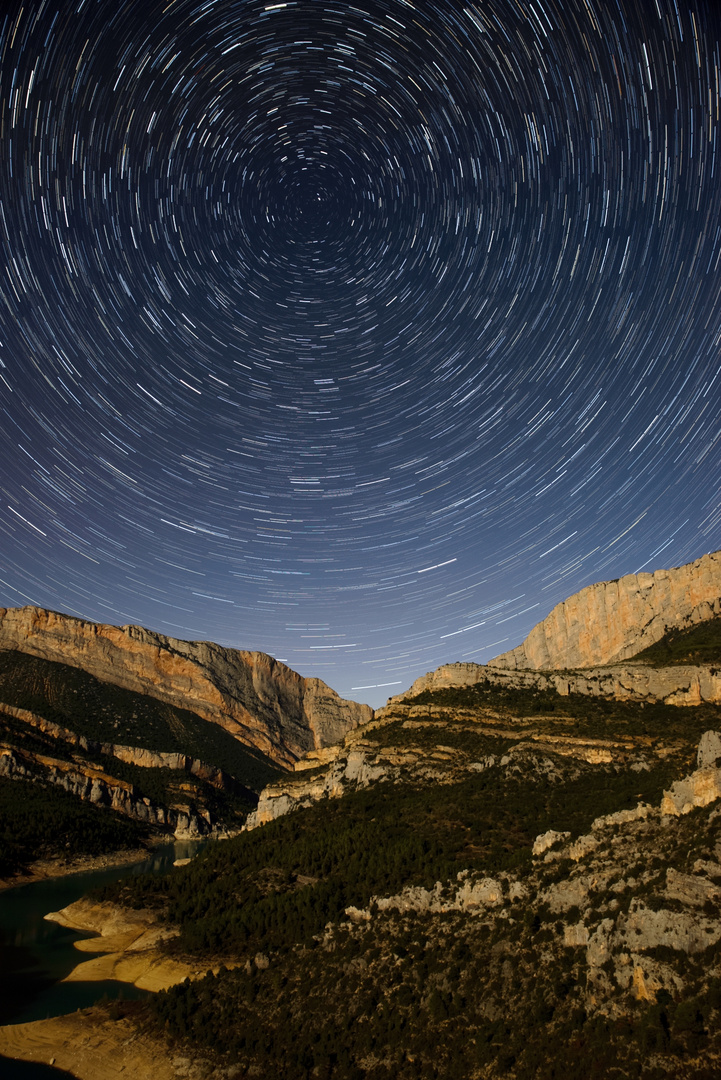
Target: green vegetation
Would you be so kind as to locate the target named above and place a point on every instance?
(438, 998)
(445, 733)
(313, 995)
(375, 842)
(700, 644)
(88, 706)
(575, 714)
(32, 818)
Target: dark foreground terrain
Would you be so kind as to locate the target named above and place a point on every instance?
(417, 927)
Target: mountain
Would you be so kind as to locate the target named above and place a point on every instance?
(109, 735)
(612, 621)
(505, 872)
(644, 637)
(257, 699)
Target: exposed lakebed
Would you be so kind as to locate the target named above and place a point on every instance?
(36, 955)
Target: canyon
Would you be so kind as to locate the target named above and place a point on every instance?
(508, 866)
(259, 700)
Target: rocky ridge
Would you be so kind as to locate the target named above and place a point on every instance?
(680, 684)
(611, 621)
(619, 926)
(96, 786)
(394, 747)
(594, 643)
(257, 699)
(632, 927)
(131, 755)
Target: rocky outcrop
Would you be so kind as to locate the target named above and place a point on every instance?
(361, 761)
(257, 699)
(131, 755)
(613, 620)
(95, 786)
(680, 684)
(547, 840)
(683, 931)
(473, 894)
(701, 787)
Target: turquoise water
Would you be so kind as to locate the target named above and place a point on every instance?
(36, 955)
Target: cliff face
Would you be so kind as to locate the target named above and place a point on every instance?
(260, 701)
(680, 684)
(613, 620)
(93, 785)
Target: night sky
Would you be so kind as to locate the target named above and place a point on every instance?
(358, 334)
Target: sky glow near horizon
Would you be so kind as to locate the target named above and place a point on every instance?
(360, 335)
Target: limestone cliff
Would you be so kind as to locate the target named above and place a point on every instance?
(257, 699)
(93, 785)
(680, 684)
(613, 620)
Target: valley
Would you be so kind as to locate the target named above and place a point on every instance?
(505, 871)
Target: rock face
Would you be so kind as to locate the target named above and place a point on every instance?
(95, 786)
(613, 620)
(132, 755)
(680, 684)
(698, 789)
(257, 699)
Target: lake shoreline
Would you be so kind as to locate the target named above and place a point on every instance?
(128, 947)
(47, 869)
(101, 1041)
(91, 1045)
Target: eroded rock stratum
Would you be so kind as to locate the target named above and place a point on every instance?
(257, 699)
(611, 621)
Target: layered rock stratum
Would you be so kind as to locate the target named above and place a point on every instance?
(680, 684)
(611, 621)
(590, 643)
(257, 699)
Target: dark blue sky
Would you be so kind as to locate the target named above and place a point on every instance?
(361, 335)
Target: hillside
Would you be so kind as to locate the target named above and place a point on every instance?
(498, 885)
(699, 644)
(645, 638)
(505, 872)
(87, 767)
(111, 736)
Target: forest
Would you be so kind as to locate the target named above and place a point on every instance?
(408, 994)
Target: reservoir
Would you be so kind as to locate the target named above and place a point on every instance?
(35, 955)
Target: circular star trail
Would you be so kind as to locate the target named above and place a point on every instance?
(360, 334)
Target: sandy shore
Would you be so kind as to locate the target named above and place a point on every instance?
(129, 943)
(91, 1046)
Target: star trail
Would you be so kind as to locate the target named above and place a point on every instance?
(360, 334)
